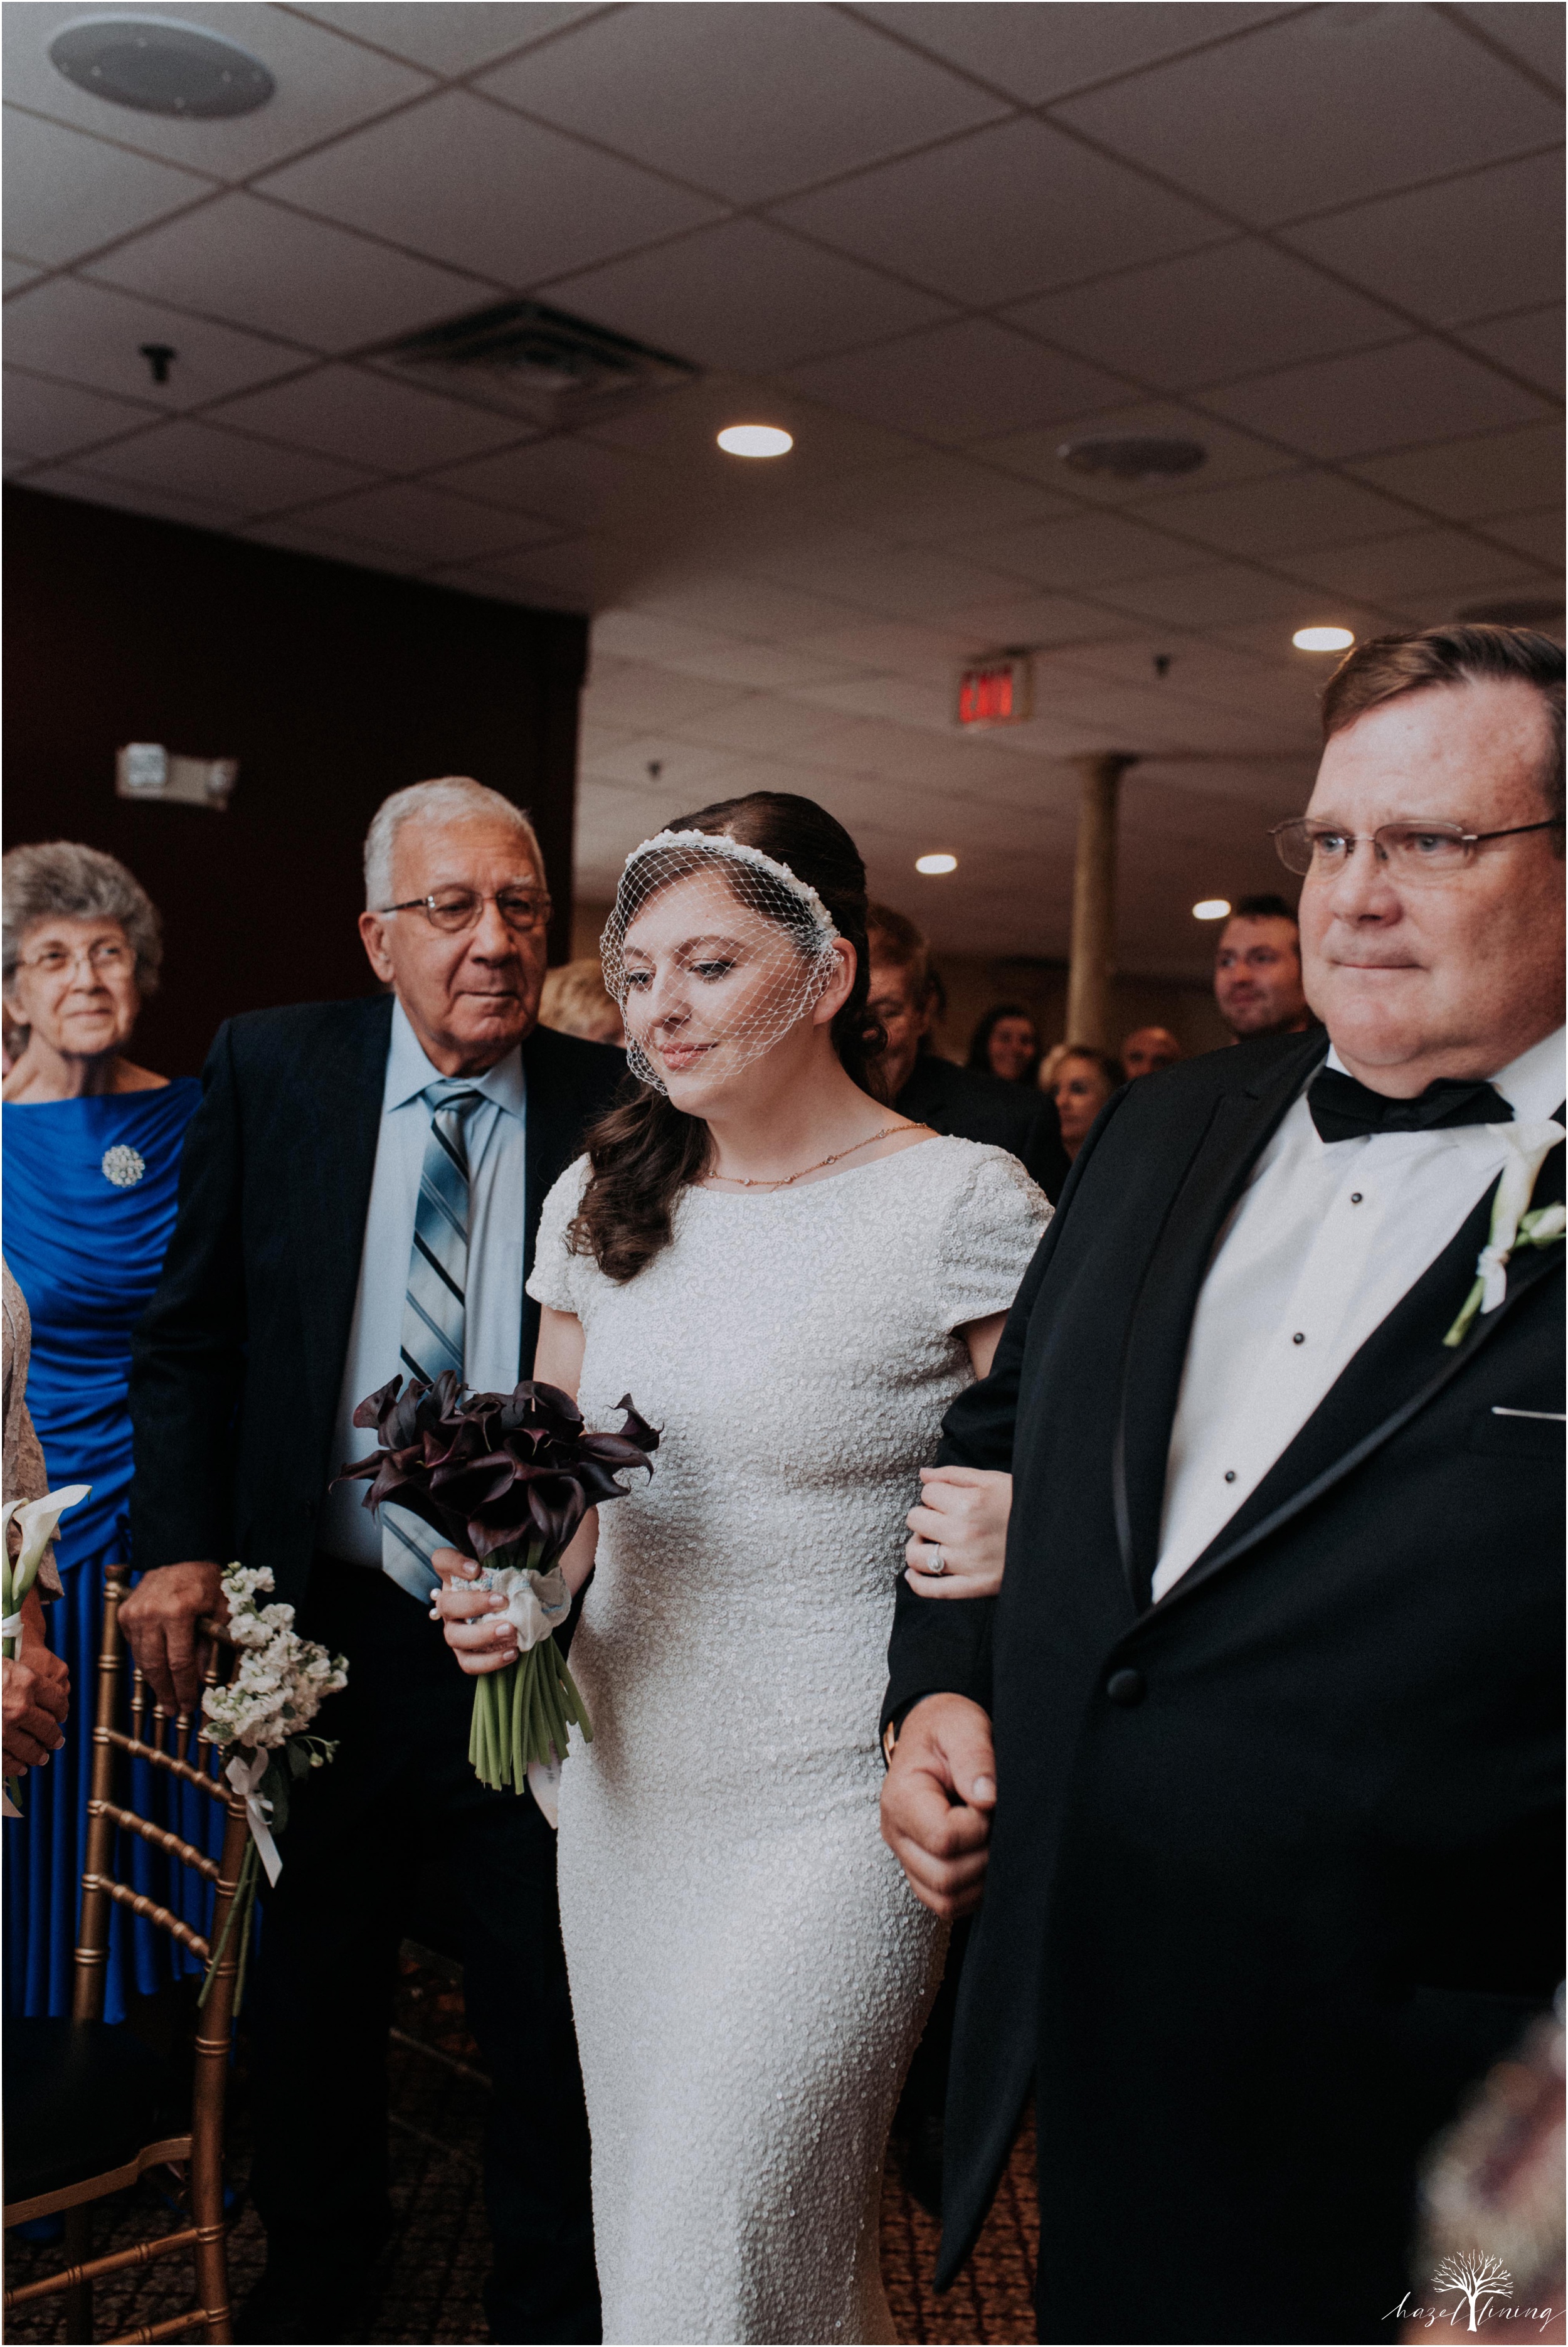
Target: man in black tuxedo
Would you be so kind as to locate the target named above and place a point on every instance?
(1260, 1738)
(304, 1271)
(968, 1101)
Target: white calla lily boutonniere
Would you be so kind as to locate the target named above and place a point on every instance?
(1514, 1224)
(35, 1520)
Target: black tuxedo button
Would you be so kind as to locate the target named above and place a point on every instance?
(1126, 1687)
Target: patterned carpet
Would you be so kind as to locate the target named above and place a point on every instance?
(428, 2285)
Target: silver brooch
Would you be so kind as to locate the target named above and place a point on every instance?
(123, 1166)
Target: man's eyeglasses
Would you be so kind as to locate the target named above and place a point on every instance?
(1412, 851)
(105, 954)
(453, 910)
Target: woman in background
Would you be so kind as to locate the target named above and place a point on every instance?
(574, 1002)
(1007, 1043)
(1084, 1080)
(92, 1154)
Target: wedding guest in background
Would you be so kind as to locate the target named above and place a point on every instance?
(1147, 1050)
(93, 1144)
(1085, 1079)
(36, 1682)
(1006, 1043)
(1274, 1670)
(971, 1103)
(574, 1002)
(1257, 970)
(300, 1279)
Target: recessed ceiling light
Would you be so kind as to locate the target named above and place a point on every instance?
(936, 863)
(159, 65)
(1210, 909)
(1133, 457)
(755, 440)
(1323, 640)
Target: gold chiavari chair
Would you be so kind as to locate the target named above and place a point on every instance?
(88, 2107)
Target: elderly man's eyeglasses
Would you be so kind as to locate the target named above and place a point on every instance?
(453, 910)
(1412, 851)
(107, 955)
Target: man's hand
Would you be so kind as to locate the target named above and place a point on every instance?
(937, 1801)
(36, 1696)
(159, 1618)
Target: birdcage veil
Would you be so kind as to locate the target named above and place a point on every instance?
(707, 979)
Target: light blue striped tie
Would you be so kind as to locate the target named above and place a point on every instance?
(433, 1305)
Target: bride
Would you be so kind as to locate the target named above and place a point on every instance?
(794, 1283)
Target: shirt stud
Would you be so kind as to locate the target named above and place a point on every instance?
(1299, 1337)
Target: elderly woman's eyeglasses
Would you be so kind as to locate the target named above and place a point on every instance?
(1412, 851)
(453, 910)
(107, 956)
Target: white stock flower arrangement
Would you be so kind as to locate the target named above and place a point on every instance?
(259, 1719)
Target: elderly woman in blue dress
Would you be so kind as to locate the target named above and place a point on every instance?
(92, 1146)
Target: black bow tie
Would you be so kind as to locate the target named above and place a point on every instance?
(1343, 1110)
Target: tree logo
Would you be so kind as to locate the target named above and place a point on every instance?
(1476, 2279)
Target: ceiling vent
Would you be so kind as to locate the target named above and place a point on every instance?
(548, 369)
(1132, 456)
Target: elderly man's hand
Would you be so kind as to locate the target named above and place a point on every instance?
(34, 1701)
(159, 1618)
(937, 1799)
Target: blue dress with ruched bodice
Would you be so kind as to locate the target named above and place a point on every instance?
(90, 1190)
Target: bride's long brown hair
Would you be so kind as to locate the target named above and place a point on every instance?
(645, 1150)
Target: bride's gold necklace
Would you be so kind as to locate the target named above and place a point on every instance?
(782, 1181)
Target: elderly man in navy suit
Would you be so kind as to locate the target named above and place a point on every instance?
(302, 1276)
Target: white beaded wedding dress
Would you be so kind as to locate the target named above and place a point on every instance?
(750, 1972)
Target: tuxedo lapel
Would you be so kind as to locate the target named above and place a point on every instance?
(1242, 1125)
(1400, 1368)
(340, 1104)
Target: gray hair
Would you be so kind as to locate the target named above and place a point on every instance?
(454, 798)
(60, 879)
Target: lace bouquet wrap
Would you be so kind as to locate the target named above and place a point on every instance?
(504, 1478)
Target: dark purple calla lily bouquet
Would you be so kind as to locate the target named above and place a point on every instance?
(506, 1479)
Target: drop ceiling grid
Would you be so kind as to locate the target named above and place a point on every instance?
(867, 661)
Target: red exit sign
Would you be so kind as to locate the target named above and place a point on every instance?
(994, 692)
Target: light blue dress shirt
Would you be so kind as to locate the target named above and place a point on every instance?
(497, 1134)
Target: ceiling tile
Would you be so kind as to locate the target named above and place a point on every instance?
(1037, 619)
(18, 273)
(1005, 211)
(1327, 107)
(421, 522)
(1230, 455)
(1236, 309)
(745, 295)
(1500, 472)
(65, 194)
(678, 429)
(1095, 550)
(578, 574)
(1425, 563)
(1277, 517)
(1485, 242)
(906, 648)
(223, 467)
(709, 651)
(895, 581)
(1413, 391)
(323, 84)
(1539, 535)
(97, 489)
(740, 606)
(966, 382)
(1229, 595)
(526, 204)
(91, 334)
(443, 38)
(1036, 51)
(1529, 343)
(684, 769)
(752, 101)
(47, 419)
(929, 498)
(257, 265)
(763, 724)
(1530, 32)
(570, 481)
(302, 535)
(367, 419)
(635, 694)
